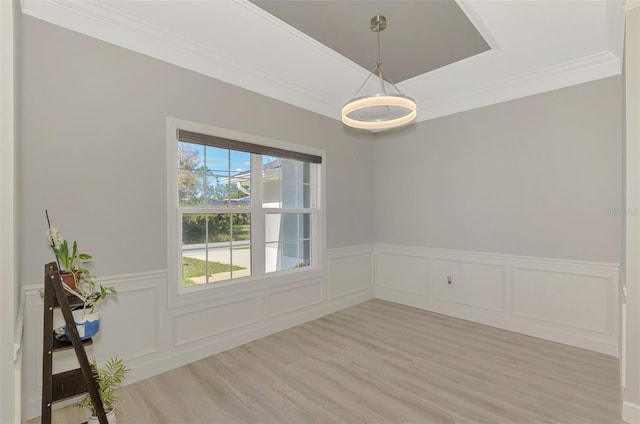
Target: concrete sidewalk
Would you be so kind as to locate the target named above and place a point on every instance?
(240, 255)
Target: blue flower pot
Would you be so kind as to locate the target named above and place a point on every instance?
(87, 324)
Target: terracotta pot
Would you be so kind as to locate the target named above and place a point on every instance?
(68, 279)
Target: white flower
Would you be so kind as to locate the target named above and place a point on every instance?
(54, 238)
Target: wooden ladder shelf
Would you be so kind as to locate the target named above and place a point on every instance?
(64, 385)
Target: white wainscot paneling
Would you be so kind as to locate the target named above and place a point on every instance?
(131, 318)
(350, 270)
(137, 336)
(294, 298)
(199, 324)
(566, 301)
(128, 327)
(579, 300)
(32, 351)
(402, 271)
(472, 283)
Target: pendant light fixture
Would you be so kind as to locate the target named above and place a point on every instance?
(384, 106)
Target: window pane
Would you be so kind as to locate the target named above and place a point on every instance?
(306, 251)
(211, 176)
(241, 244)
(241, 229)
(219, 262)
(217, 183)
(287, 255)
(240, 182)
(215, 247)
(193, 249)
(291, 226)
(190, 174)
(306, 195)
(286, 183)
(241, 259)
(287, 241)
(271, 182)
(287, 226)
(291, 182)
(306, 226)
(271, 227)
(306, 167)
(272, 255)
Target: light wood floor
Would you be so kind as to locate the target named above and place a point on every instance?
(379, 362)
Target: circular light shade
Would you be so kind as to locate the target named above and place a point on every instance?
(379, 111)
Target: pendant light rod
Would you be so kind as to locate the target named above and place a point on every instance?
(379, 24)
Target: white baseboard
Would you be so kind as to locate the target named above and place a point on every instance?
(542, 331)
(631, 413)
(565, 301)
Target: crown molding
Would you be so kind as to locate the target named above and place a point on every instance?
(467, 8)
(322, 92)
(102, 22)
(597, 66)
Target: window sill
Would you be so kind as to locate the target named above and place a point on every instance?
(187, 296)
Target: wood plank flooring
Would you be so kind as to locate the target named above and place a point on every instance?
(379, 362)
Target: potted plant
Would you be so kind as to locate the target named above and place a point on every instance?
(71, 262)
(92, 295)
(78, 278)
(87, 317)
(108, 379)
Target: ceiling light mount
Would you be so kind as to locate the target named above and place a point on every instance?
(383, 107)
(378, 23)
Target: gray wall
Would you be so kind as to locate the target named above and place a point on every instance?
(94, 142)
(534, 176)
(631, 252)
(538, 176)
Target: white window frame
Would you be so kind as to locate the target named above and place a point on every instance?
(259, 280)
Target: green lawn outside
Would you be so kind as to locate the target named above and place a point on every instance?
(192, 267)
(241, 232)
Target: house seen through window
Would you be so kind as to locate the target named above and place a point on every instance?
(243, 213)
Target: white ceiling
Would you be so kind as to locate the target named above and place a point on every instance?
(536, 46)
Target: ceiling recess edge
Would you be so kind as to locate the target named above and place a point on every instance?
(104, 23)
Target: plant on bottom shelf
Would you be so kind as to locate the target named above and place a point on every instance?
(108, 378)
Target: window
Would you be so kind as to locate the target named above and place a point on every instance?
(243, 210)
(286, 200)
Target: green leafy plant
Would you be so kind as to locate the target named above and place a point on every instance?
(92, 294)
(108, 379)
(69, 258)
(75, 263)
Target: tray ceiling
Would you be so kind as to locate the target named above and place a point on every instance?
(421, 35)
(473, 53)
